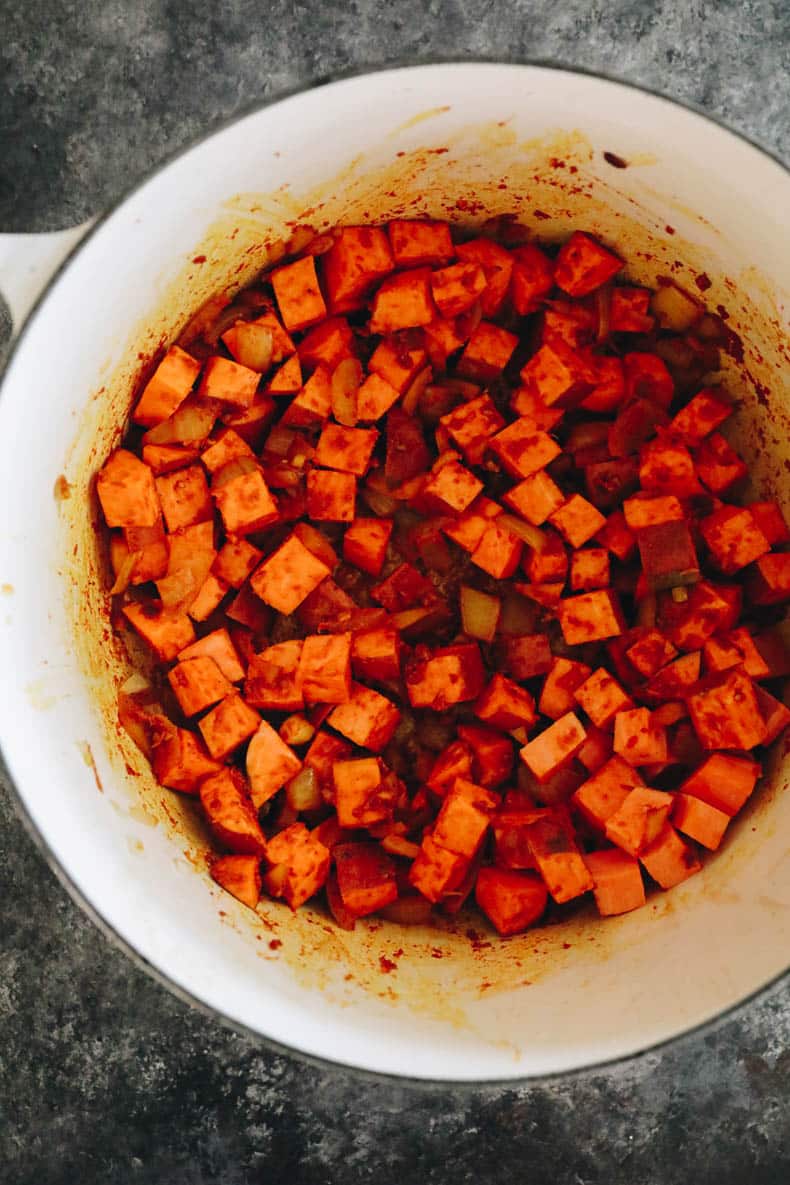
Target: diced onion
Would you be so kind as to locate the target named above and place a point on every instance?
(522, 530)
(479, 613)
(674, 308)
(408, 911)
(254, 346)
(413, 393)
(303, 792)
(346, 381)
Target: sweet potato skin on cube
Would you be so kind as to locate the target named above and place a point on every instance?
(512, 901)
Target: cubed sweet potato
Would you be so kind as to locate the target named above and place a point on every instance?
(512, 901)
(701, 416)
(360, 795)
(375, 398)
(239, 876)
(230, 813)
(359, 257)
(561, 684)
(246, 504)
(532, 278)
(298, 294)
(228, 725)
(497, 265)
(733, 538)
(718, 464)
(471, 424)
(647, 377)
(167, 388)
(650, 653)
(577, 520)
(498, 552)
(456, 288)
(167, 631)
(639, 820)
(503, 704)
(522, 449)
(557, 856)
(397, 363)
(590, 617)
(535, 498)
(723, 781)
(698, 820)
(420, 244)
(638, 738)
(492, 754)
(770, 520)
(559, 375)
(270, 763)
(346, 449)
(368, 718)
(669, 860)
(768, 582)
(554, 747)
(287, 379)
(468, 528)
(273, 681)
(668, 467)
(329, 343)
(365, 877)
(449, 675)
(605, 791)
(228, 382)
(218, 646)
(602, 697)
(325, 668)
(375, 654)
(583, 265)
(304, 861)
(629, 310)
(198, 683)
(288, 575)
(180, 761)
(617, 881)
(590, 569)
(313, 404)
(487, 352)
(127, 491)
(403, 301)
(725, 712)
(331, 496)
(184, 497)
(527, 655)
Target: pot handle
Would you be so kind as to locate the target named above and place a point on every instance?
(27, 263)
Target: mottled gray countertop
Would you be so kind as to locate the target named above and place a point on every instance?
(104, 1077)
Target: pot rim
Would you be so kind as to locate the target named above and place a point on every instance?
(279, 1048)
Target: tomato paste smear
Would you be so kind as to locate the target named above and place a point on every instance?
(439, 551)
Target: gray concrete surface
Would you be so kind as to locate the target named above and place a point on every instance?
(106, 1078)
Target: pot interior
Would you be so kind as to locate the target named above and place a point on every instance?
(469, 144)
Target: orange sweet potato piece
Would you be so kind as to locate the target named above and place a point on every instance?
(605, 792)
(535, 498)
(288, 575)
(647, 377)
(456, 288)
(497, 266)
(769, 581)
(487, 352)
(718, 464)
(602, 697)
(559, 689)
(362, 797)
(650, 653)
(236, 561)
(617, 881)
(228, 447)
(325, 668)
(770, 520)
(166, 458)
(180, 761)
(418, 244)
(298, 294)
(376, 653)
(304, 860)
(503, 704)
(554, 747)
(450, 489)
(365, 543)
(577, 520)
(492, 754)
(639, 821)
(590, 617)
(638, 738)
(167, 388)
(184, 497)
(437, 871)
(329, 343)
(583, 265)
(725, 712)
(403, 301)
(368, 718)
(558, 375)
(167, 631)
(273, 681)
(331, 496)
(246, 504)
(774, 713)
(498, 552)
(471, 424)
(532, 278)
(346, 449)
(287, 379)
(218, 646)
(609, 391)
(375, 398)
(239, 876)
(397, 363)
(198, 683)
(557, 856)
(230, 813)
(452, 763)
(365, 877)
(590, 569)
(629, 310)
(228, 725)
(359, 257)
(723, 781)
(450, 675)
(669, 860)
(617, 536)
(512, 901)
(701, 416)
(699, 820)
(522, 449)
(733, 538)
(229, 382)
(270, 763)
(127, 491)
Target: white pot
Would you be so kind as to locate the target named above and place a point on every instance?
(501, 139)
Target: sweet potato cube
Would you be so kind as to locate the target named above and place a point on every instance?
(498, 552)
(218, 646)
(127, 491)
(497, 265)
(775, 714)
(637, 737)
(397, 363)
(240, 876)
(228, 447)
(668, 556)
(282, 345)
(584, 265)
(609, 391)
(365, 543)
(404, 588)
(604, 793)
(468, 528)
(548, 564)
(236, 561)
(698, 820)
(512, 901)
(753, 662)
(325, 668)
(769, 581)
(701, 416)
(557, 857)
(368, 718)
(535, 498)
(331, 496)
(718, 464)
(298, 295)
(305, 861)
(503, 704)
(358, 796)
(287, 379)
(642, 512)
(365, 877)
(375, 654)
(456, 288)
(617, 881)
(558, 375)
(554, 747)
(531, 280)
(525, 401)
(669, 860)
(723, 781)
(522, 449)
(602, 697)
(596, 750)
(452, 763)
(577, 520)
(167, 631)
(639, 821)
(562, 682)
(403, 301)
(511, 839)
(650, 653)
(707, 611)
(470, 425)
(590, 569)
(180, 761)
(721, 653)
(360, 256)
(492, 754)
(230, 813)
(324, 751)
(329, 343)
(647, 378)
(451, 675)
(273, 681)
(346, 449)
(167, 388)
(527, 655)
(251, 422)
(629, 310)
(437, 871)
(770, 520)
(313, 404)
(229, 382)
(418, 244)
(246, 504)
(198, 683)
(184, 497)
(590, 617)
(617, 536)
(733, 538)
(725, 712)
(228, 725)
(166, 458)
(288, 575)
(450, 489)
(270, 763)
(248, 610)
(152, 549)
(462, 822)
(375, 398)
(487, 352)
(665, 467)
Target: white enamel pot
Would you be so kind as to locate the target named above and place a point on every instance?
(468, 142)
